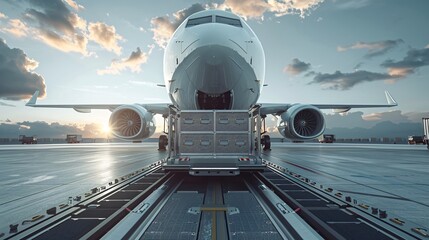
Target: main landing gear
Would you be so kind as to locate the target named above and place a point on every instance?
(266, 142)
(162, 143)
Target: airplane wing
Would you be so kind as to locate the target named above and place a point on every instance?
(278, 109)
(156, 108)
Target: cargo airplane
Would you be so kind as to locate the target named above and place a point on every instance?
(214, 61)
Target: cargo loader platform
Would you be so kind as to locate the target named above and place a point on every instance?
(214, 142)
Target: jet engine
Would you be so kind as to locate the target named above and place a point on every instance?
(132, 122)
(301, 122)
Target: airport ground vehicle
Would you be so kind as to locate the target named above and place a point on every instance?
(415, 140)
(214, 142)
(73, 138)
(426, 131)
(27, 140)
(327, 138)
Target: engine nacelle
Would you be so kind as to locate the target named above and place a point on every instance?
(301, 122)
(132, 122)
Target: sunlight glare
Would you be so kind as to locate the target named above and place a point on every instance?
(106, 128)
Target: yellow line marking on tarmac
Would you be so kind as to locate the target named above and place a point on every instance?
(221, 209)
(214, 216)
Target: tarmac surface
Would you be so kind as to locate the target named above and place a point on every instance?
(391, 177)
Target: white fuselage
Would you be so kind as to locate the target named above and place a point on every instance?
(214, 61)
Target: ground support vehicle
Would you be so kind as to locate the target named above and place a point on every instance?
(415, 140)
(73, 138)
(27, 140)
(328, 138)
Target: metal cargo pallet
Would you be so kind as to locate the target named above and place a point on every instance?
(214, 142)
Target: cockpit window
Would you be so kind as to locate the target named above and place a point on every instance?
(229, 21)
(198, 21)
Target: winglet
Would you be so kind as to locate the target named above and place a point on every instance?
(390, 99)
(33, 99)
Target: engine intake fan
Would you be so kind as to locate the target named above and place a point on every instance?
(302, 122)
(132, 122)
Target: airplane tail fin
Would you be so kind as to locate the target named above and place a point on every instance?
(33, 99)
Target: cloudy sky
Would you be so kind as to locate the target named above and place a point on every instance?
(331, 51)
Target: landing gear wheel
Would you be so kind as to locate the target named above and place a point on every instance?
(162, 143)
(266, 142)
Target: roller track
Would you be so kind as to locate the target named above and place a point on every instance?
(153, 204)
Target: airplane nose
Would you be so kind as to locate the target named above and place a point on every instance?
(210, 68)
(209, 35)
(213, 57)
(214, 60)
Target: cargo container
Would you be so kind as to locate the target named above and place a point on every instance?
(215, 142)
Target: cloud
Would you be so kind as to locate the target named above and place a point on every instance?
(2, 16)
(358, 125)
(381, 124)
(415, 59)
(63, 43)
(297, 67)
(380, 130)
(393, 116)
(106, 36)
(361, 120)
(396, 70)
(74, 5)
(16, 27)
(132, 63)
(247, 9)
(344, 81)
(374, 48)
(17, 79)
(52, 15)
(310, 74)
(347, 120)
(54, 24)
(49, 130)
(164, 27)
(358, 66)
(257, 8)
(417, 116)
